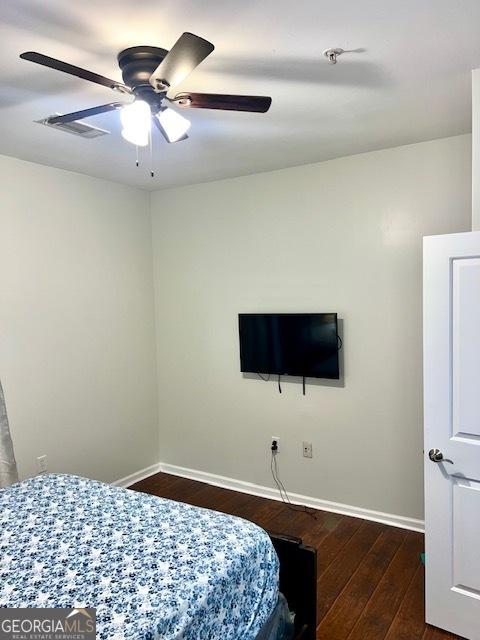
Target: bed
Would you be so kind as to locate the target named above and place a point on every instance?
(152, 568)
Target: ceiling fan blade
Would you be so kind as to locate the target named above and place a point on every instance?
(186, 54)
(257, 104)
(85, 113)
(164, 133)
(59, 65)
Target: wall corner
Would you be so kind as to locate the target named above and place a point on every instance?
(476, 150)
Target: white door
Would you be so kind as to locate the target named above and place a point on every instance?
(452, 425)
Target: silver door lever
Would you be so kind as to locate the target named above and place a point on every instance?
(436, 455)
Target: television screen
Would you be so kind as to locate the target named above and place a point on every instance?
(294, 344)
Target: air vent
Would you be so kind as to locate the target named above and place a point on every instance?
(77, 128)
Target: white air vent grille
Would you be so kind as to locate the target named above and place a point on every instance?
(77, 128)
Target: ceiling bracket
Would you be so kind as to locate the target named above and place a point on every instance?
(332, 54)
(161, 86)
(182, 100)
(121, 88)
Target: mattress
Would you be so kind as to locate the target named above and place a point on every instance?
(152, 568)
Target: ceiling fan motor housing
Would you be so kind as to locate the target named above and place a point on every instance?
(137, 65)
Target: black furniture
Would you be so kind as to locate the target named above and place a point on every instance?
(298, 582)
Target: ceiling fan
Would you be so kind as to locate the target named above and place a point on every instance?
(149, 73)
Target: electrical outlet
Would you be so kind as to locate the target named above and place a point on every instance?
(42, 464)
(277, 440)
(307, 450)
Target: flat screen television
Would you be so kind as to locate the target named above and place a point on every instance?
(293, 344)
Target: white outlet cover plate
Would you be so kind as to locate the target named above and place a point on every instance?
(307, 450)
(42, 464)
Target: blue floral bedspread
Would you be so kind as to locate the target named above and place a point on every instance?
(153, 568)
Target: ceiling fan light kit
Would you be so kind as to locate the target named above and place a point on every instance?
(148, 74)
(174, 124)
(136, 122)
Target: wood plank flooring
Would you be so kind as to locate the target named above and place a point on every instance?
(370, 577)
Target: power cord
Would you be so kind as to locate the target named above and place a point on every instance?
(262, 378)
(281, 487)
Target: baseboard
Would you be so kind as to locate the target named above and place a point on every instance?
(137, 476)
(270, 493)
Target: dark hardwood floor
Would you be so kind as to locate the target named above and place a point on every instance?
(370, 576)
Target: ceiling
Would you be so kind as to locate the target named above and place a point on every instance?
(406, 79)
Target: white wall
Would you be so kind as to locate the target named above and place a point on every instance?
(476, 150)
(342, 236)
(77, 355)
(77, 336)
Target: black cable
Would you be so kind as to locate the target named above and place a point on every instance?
(279, 385)
(262, 378)
(283, 492)
(303, 385)
(279, 484)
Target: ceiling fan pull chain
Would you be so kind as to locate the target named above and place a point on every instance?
(152, 175)
(136, 151)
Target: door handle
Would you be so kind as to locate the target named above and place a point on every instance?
(436, 455)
